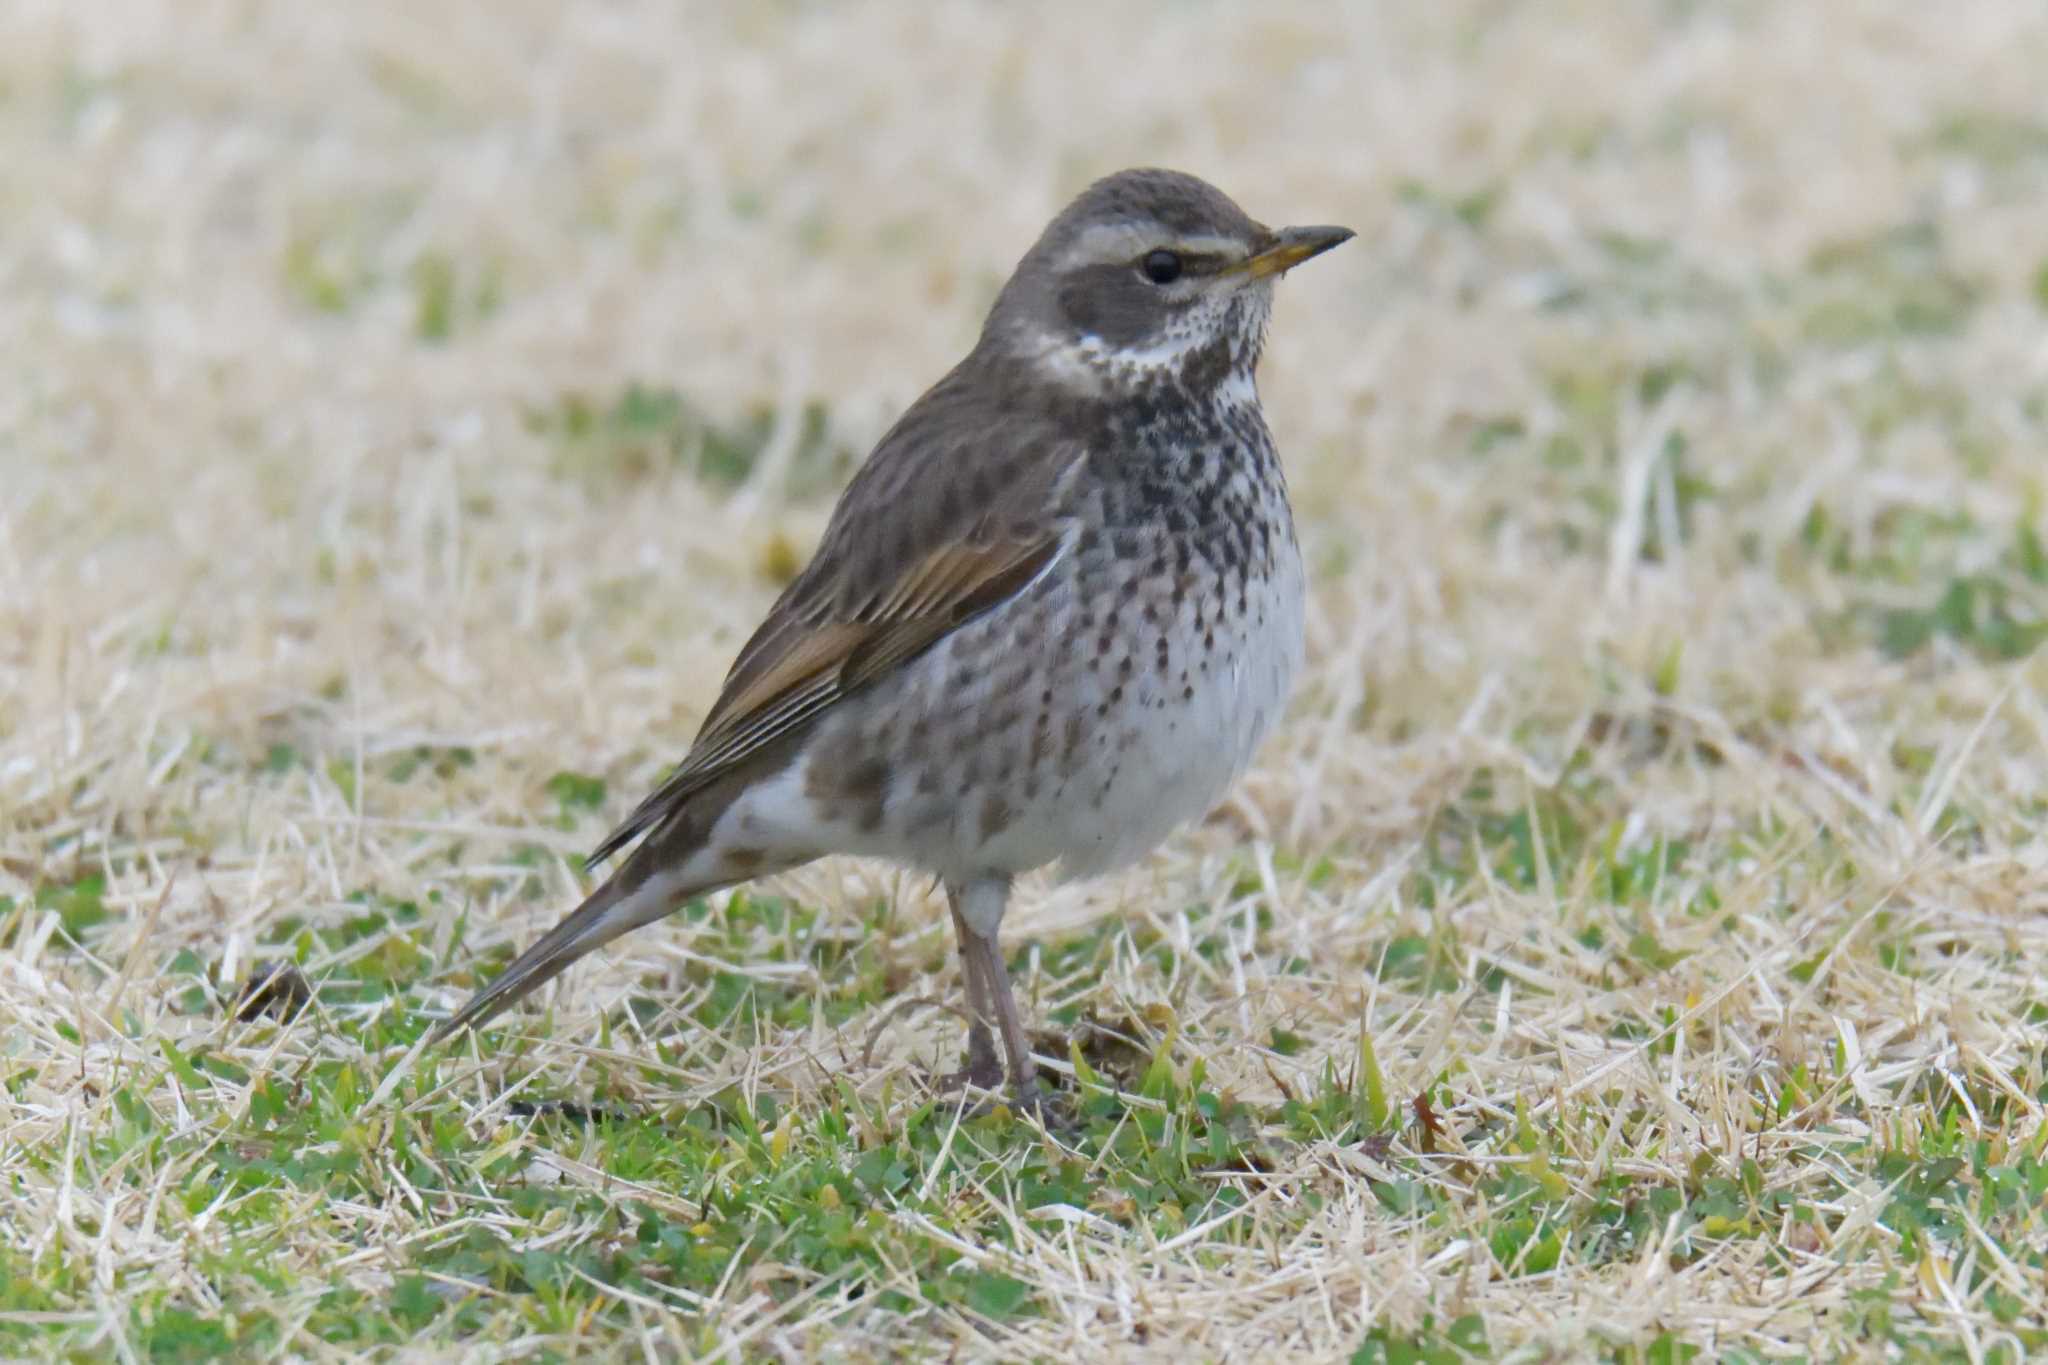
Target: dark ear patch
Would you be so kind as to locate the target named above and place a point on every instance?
(1113, 302)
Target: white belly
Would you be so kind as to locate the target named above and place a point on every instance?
(1157, 748)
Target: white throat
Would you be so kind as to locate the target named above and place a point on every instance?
(1087, 364)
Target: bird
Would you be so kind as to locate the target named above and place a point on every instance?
(1051, 617)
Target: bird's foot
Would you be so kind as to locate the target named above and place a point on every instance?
(982, 1072)
(969, 1077)
(985, 1075)
(1055, 1111)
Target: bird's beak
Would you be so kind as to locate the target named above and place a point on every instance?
(1289, 247)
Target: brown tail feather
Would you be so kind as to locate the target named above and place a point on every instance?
(645, 888)
(611, 910)
(649, 885)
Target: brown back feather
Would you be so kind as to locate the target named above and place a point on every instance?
(903, 563)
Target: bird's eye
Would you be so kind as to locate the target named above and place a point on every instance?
(1161, 267)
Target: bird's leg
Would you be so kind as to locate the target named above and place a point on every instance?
(1023, 1072)
(983, 1069)
(978, 915)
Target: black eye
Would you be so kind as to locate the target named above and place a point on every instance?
(1161, 267)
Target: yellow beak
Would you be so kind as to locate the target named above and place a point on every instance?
(1289, 247)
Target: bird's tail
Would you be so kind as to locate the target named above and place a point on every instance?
(675, 863)
(623, 903)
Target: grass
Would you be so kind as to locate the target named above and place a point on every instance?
(1629, 949)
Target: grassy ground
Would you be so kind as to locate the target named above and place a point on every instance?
(1632, 948)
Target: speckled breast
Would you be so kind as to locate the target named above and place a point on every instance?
(1118, 697)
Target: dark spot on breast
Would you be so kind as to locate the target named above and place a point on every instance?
(743, 862)
(995, 817)
(1076, 732)
(846, 788)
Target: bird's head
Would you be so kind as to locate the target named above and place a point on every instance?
(1148, 276)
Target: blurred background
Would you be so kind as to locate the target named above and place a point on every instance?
(491, 364)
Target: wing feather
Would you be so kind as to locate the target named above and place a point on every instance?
(793, 669)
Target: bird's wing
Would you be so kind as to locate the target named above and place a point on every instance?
(894, 575)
